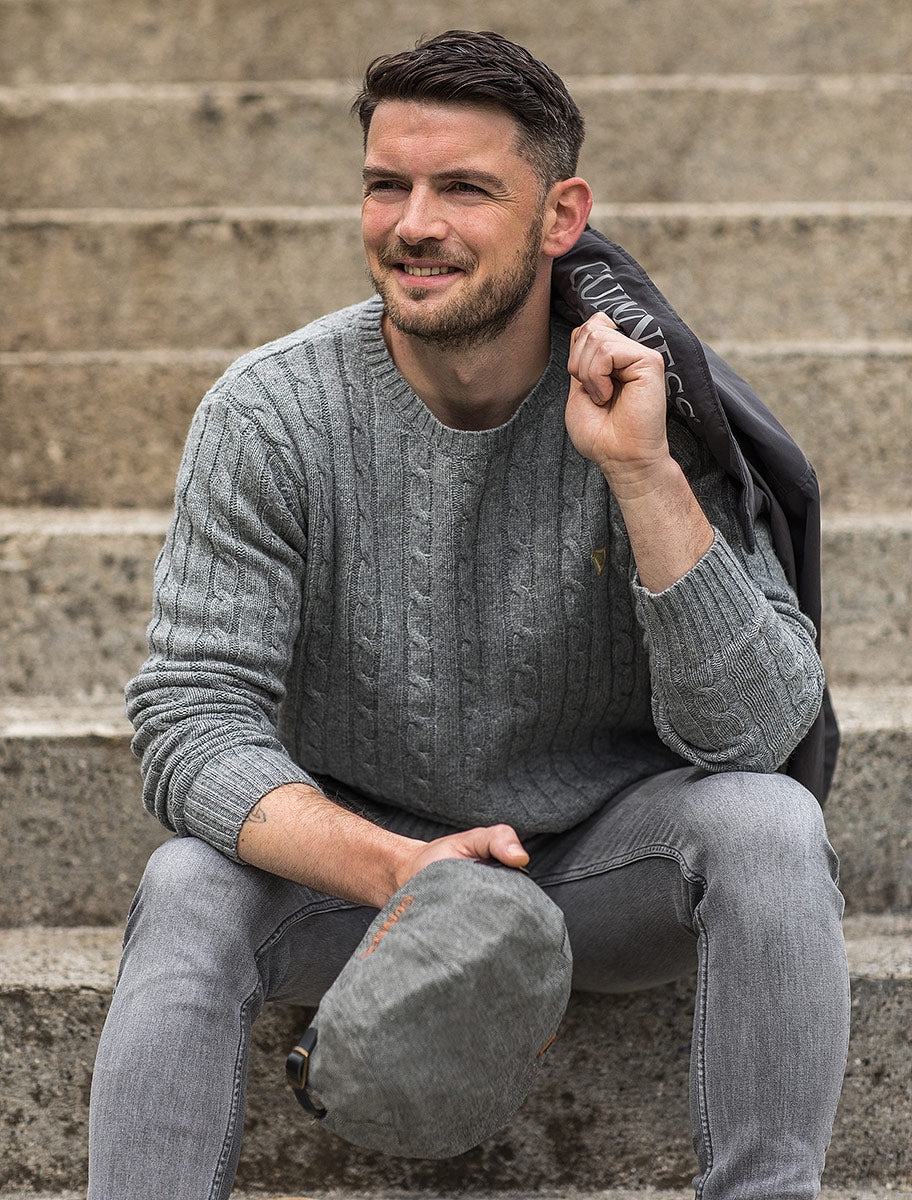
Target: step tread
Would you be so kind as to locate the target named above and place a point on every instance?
(47, 521)
(227, 39)
(753, 82)
(855, 1193)
(215, 356)
(878, 1193)
(308, 214)
(39, 957)
(860, 708)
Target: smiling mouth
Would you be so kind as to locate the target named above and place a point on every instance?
(423, 272)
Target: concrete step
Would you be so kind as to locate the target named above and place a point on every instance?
(186, 278)
(843, 400)
(77, 837)
(667, 138)
(887, 1192)
(76, 588)
(76, 834)
(618, 1073)
(103, 40)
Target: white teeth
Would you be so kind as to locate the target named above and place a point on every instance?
(425, 270)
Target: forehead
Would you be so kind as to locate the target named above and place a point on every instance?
(416, 130)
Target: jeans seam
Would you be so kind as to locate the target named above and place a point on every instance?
(239, 1080)
(654, 850)
(326, 904)
(698, 1050)
(663, 850)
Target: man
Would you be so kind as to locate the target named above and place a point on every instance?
(446, 579)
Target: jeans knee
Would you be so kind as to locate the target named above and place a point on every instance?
(192, 919)
(767, 825)
(187, 886)
(179, 870)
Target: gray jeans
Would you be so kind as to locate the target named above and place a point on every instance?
(731, 875)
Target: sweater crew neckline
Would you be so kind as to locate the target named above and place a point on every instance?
(392, 390)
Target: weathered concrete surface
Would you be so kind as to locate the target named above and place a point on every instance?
(96, 430)
(610, 1111)
(847, 405)
(869, 813)
(676, 138)
(887, 1192)
(867, 581)
(70, 40)
(185, 278)
(71, 820)
(106, 428)
(75, 598)
(76, 587)
(78, 837)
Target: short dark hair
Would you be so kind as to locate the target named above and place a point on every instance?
(468, 67)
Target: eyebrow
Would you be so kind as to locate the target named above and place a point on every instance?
(469, 174)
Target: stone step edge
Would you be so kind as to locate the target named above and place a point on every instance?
(215, 356)
(835, 84)
(45, 521)
(766, 211)
(860, 708)
(85, 957)
(885, 1192)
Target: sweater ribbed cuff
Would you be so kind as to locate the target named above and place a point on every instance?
(701, 613)
(226, 790)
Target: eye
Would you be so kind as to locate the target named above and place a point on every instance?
(384, 187)
(467, 189)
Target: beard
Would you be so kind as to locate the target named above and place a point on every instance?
(480, 314)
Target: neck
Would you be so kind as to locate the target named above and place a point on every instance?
(481, 386)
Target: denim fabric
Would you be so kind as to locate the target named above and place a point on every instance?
(730, 875)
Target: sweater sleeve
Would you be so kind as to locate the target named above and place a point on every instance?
(226, 611)
(736, 678)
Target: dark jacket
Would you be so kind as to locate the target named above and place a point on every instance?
(773, 476)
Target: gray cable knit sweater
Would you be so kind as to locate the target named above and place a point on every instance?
(448, 622)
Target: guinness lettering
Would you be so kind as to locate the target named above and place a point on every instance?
(596, 285)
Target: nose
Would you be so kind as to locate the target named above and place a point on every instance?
(421, 218)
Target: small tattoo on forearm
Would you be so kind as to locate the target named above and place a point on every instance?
(257, 815)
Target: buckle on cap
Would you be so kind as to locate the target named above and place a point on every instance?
(296, 1066)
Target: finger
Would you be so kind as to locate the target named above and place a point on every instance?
(496, 841)
(594, 367)
(598, 320)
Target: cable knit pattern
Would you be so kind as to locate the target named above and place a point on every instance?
(355, 596)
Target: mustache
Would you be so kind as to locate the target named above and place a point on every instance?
(391, 256)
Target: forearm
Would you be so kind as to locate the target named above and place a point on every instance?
(668, 530)
(297, 832)
(300, 834)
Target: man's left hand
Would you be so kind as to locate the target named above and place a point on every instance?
(616, 409)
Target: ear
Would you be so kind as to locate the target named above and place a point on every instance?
(567, 209)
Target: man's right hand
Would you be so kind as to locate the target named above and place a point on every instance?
(499, 842)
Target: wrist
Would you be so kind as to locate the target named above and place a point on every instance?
(399, 865)
(637, 480)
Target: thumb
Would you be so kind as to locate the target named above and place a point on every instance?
(500, 842)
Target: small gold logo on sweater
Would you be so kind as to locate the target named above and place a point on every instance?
(599, 558)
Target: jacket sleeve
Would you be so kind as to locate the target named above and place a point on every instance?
(736, 677)
(226, 613)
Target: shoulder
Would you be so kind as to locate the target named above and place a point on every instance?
(278, 388)
(319, 350)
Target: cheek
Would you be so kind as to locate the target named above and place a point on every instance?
(376, 224)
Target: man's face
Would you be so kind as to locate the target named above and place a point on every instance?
(452, 220)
